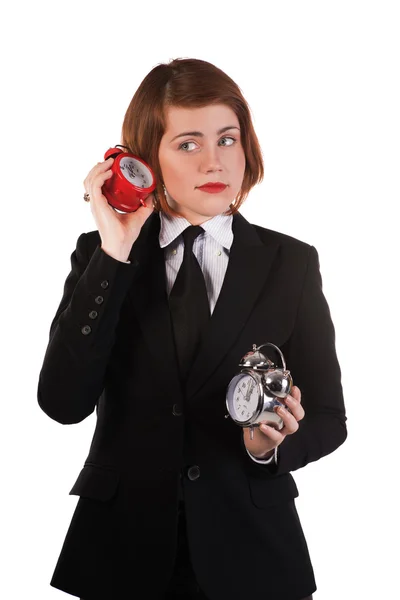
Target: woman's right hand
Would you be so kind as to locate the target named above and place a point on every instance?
(117, 231)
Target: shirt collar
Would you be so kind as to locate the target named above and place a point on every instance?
(219, 227)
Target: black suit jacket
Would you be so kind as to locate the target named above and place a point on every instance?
(111, 349)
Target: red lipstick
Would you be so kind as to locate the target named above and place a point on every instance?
(212, 188)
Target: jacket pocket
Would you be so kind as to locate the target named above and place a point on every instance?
(268, 492)
(96, 482)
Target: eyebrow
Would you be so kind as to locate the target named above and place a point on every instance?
(199, 134)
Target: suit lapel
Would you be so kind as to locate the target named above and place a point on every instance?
(249, 264)
(149, 299)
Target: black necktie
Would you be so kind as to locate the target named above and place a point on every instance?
(188, 302)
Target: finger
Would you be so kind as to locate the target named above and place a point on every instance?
(290, 424)
(295, 393)
(273, 434)
(93, 173)
(106, 163)
(294, 401)
(149, 201)
(99, 179)
(295, 407)
(140, 216)
(101, 167)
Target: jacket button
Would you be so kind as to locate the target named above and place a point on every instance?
(193, 472)
(99, 299)
(104, 284)
(86, 329)
(93, 314)
(176, 410)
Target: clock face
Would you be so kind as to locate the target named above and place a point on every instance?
(243, 397)
(135, 172)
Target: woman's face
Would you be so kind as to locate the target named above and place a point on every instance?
(202, 156)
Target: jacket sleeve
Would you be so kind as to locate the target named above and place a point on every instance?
(311, 358)
(82, 334)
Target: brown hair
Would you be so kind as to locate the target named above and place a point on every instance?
(187, 83)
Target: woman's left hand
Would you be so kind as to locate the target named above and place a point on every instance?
(267, 438)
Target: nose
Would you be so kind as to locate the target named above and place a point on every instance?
(210, 160)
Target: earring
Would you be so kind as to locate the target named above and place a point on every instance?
(165, 189)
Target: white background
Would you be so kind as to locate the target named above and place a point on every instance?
(322, 81)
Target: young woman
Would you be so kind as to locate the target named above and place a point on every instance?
(177, 501)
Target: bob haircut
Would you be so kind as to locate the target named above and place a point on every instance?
(187, 83)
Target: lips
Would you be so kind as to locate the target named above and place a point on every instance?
(213, 187)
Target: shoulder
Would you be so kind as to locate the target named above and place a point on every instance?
(269, 235)
(93, 236)
(87, 243)
(291, 253)
(254, 234)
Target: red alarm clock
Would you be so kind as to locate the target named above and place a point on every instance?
(131, 182)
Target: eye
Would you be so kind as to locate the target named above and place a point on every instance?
(229, 138)
(184, 144)
(224, 138)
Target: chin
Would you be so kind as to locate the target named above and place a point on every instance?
(207, 208)
(209, 213)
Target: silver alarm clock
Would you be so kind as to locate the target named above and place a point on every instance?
(255, 392)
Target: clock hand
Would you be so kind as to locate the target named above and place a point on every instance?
(249, 392)
(240, 390)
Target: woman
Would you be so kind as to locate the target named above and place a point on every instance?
(177, 501)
